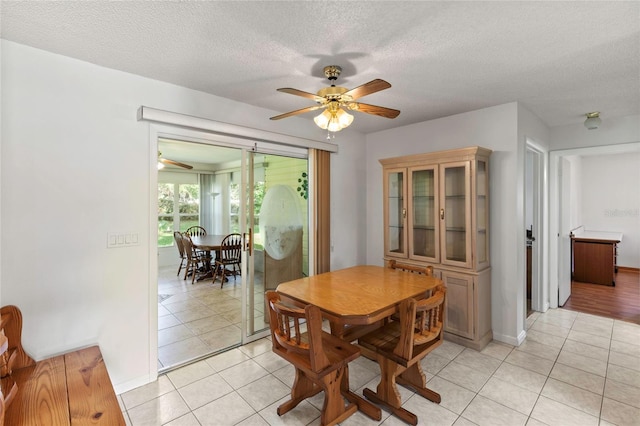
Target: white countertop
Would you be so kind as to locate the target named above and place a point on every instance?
(598, 235)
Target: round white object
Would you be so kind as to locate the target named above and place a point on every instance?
(280, 221)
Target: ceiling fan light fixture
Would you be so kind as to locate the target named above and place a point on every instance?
(593, 120)
(333, 121)
(160, 166)
(334, 124)
(322, 120)
(344, 118)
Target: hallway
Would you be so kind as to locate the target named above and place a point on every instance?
(621, 301)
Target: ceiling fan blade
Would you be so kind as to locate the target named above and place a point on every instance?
(175, 163)
(296, 112)
(373, 109)
(366, 89)
(297, 92)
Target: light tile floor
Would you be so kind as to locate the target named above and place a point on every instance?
(199, 319)
(573, 369)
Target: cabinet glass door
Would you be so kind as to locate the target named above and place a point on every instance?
(482, 209)
(395, 234)
(455, 214)
(423, 208)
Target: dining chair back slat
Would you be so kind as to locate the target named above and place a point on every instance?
(421, 270)
(195, 231)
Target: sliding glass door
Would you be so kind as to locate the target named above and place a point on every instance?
(276, 231)
(230, 188)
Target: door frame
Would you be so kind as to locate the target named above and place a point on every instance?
(165, 124)
(539, 250)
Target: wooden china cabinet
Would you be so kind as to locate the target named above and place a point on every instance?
(436, 212)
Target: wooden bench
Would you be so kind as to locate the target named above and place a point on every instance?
(70, 389)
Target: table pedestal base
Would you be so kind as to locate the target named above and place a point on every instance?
(334, 410)
(388, 395)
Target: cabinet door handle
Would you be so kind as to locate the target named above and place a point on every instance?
(404, 213)
(442, 214)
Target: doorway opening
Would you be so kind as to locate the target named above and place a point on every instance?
(592, 180)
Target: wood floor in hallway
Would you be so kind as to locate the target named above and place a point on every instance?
(621, 301)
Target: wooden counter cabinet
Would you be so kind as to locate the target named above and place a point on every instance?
(594, 257)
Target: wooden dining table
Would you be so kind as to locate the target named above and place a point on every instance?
(357, 300)
(208, 243)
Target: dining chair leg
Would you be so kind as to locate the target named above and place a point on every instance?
(193, 275)
(404, 415)
(180, 267)
(366, 407)
(387, 393)
(334, 410)
(186, 269)
(415, 379)
(302, 389)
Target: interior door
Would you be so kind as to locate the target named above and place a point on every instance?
(564, 267)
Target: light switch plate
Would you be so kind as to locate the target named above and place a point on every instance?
(122, 239)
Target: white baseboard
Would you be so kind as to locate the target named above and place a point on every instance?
(510, 340)
(120, 388)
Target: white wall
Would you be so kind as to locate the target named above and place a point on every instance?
(1, 109)
(610, 200)
(575, 196)
(494, 128)
(528, 202)
(76, 166)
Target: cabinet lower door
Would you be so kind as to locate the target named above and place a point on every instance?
(459, 302)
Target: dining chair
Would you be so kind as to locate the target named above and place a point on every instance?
(229, 255)
(195, 231)
(319, 358)
(421, 270)
(177, 236)
(400, 345)
(195, 259)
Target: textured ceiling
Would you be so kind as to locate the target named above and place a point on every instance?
(559, 59)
